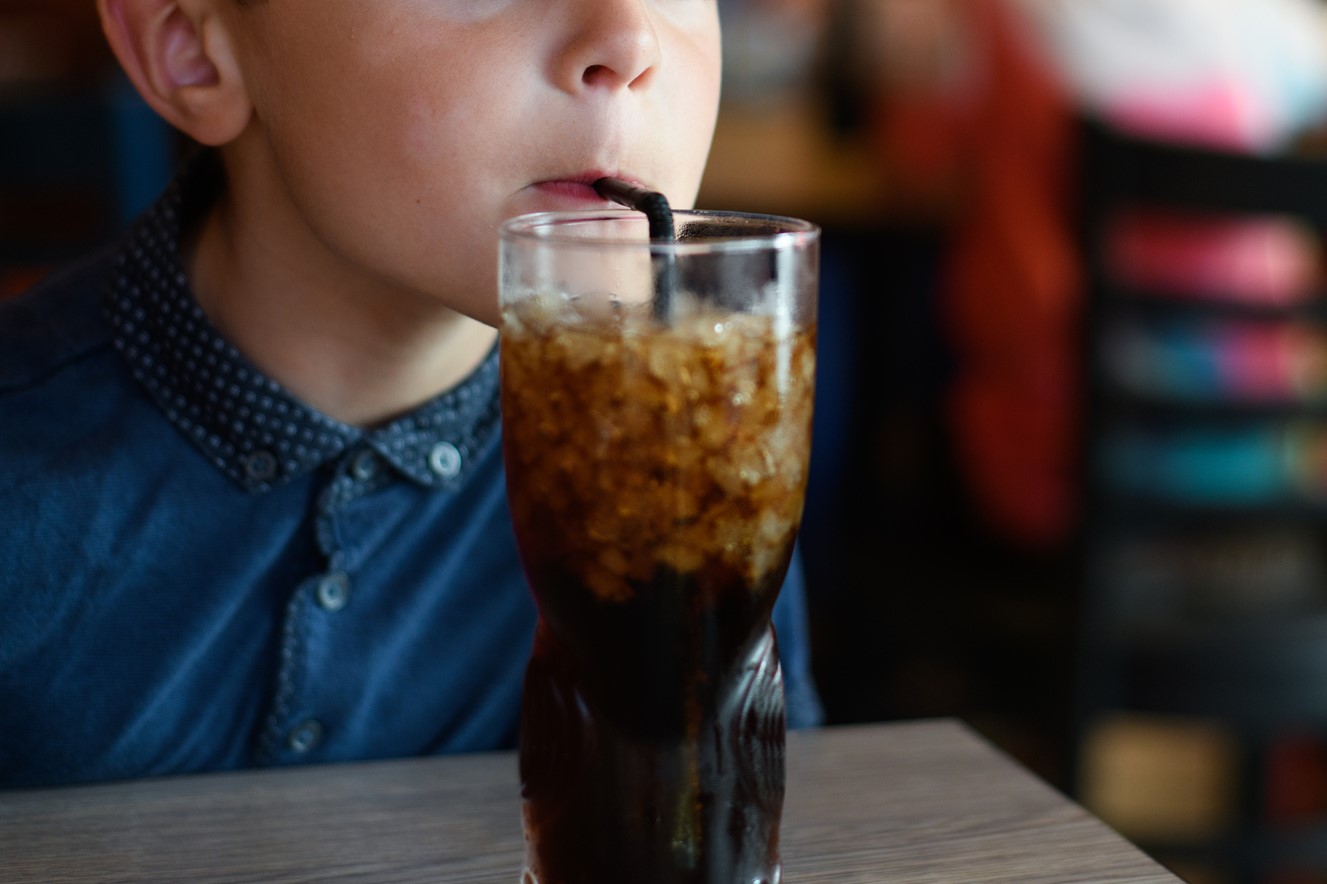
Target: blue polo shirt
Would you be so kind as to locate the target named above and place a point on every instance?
(200, 572)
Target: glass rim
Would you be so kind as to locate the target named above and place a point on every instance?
(543, 227)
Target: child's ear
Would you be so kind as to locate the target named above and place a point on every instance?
(179, 55)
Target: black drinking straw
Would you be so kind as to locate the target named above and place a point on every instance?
(660, 215)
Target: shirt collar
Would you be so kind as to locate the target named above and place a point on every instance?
(246, 423)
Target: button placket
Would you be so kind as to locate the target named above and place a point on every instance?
(298, 722)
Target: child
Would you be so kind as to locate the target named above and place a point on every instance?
(252, 507)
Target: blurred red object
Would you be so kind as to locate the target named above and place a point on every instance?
(1001, 136)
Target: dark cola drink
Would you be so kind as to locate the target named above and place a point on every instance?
(656, 477)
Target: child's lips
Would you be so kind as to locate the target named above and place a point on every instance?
(578, 190)
(573, 190)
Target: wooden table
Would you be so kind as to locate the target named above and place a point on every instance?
(915, 802)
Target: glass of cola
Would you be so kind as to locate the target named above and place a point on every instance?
(656, 400)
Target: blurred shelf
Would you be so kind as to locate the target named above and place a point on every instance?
(1205, 529)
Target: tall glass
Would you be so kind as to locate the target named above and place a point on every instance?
(657, 428)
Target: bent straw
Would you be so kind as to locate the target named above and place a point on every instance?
(653, 204)
(660, 217)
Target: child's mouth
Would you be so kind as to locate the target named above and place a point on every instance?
(572, 190)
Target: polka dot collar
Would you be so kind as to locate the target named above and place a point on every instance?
(246, 423)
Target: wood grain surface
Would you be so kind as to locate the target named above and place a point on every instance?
(914, 802)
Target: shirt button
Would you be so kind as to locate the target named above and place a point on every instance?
(365, 466)
(334, 591)
(445, 460)
(305, 736)
(261, 466)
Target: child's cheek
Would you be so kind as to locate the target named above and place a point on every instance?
(437, 139)
(422, 132)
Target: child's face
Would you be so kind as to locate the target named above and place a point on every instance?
(403, 131)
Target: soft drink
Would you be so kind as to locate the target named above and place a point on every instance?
(656, 475)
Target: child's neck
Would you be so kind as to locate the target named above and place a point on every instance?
(358, 355)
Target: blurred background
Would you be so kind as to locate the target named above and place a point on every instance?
(1071, 441)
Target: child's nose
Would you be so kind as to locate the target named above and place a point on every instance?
(613, 44)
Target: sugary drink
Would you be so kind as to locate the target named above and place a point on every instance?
(656, 475)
